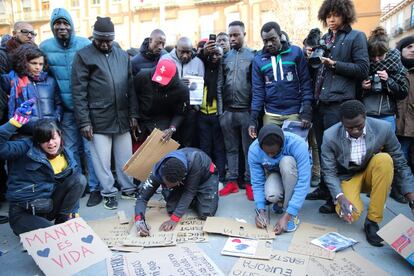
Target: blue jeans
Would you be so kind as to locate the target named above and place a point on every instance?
(406, 144)
(73, 140)
(390, 119)
(212, 141)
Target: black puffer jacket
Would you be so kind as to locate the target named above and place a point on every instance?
(103, 90)
(145, 58)
(350, 51)
(156, 101)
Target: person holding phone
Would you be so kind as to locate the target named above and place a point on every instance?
(361, 154)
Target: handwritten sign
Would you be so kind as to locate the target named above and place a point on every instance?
(154, 218)
(230, 227)
(345, 263)
(183, 260)
(301, 241)
(66, 248)
(281, 263)
(110, 230)
(190, 230)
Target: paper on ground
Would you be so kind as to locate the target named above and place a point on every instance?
(333, 241)
(248, 248)
(231, 227)
(301, 241)
(66, 248)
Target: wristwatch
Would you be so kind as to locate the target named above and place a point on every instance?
(173, 129)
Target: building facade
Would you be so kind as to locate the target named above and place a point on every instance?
(196, 19)
(399, 21)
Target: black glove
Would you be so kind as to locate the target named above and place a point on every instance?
(306, 111)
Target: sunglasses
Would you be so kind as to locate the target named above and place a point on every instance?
(27, 32)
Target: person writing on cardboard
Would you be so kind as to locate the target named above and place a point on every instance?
(188, 178)
(280, 171)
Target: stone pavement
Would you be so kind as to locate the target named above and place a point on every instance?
(16, 263)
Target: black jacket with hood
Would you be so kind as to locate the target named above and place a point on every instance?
(145, 58)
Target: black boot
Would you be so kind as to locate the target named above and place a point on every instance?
(4, 219)
(328, 207)
(397, 196)
(94, 199)
(318, 194)
(371, 228)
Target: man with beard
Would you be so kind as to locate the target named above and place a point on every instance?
(106, 108)
(281, 76)
(150, 52)
(188, 64)
(60, 51)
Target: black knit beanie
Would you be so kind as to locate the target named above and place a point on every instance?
(103, 28)
(408, 63)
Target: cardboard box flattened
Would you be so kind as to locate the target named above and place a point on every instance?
(150, 152)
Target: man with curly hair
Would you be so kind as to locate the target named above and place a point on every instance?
(188, 178)
(344, 64)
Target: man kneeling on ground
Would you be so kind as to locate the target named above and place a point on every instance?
(187, 176)
(361, 154)
(44, 183)
(280, 171)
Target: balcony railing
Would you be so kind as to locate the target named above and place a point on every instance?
(32, 16)
(5, 19)
(147, 5)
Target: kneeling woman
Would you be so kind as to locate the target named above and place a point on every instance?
(43, 182)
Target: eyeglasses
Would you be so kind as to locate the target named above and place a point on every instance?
(27, 32)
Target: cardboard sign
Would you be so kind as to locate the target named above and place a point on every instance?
(150, 152)
(248, 248)
(66, 248)
(230, 227)
(301, 241)
(190, 230)
(345, 263)
(110, 230)
(281, 263)
(183, 260)
(154, 218)
(399, 234)
(155, 203)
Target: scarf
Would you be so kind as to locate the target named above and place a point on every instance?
(392, 63)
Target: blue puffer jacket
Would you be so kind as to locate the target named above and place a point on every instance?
(60, 56)
(30, 174)
(45, 90)
(281, 86)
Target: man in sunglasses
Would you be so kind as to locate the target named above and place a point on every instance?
(22, 33)
(188, 178)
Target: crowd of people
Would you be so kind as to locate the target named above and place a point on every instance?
(74, 110)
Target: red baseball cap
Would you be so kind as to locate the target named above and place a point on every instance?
(164, 72)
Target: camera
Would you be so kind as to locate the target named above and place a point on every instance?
(376, 84)
(320, 50)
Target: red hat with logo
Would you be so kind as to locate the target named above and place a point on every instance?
(164, 72)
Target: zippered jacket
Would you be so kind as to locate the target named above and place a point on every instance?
(60, 56)
(103, 90)
(30, 174)
(281, 83)
(234, 84)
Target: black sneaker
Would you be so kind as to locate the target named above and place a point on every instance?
(129, 195)
(318, 194)
(397, 196)
(110, 202)
(371, 228)
(94, 199)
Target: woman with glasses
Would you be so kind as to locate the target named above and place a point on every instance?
(29, 81)
(387, 80)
